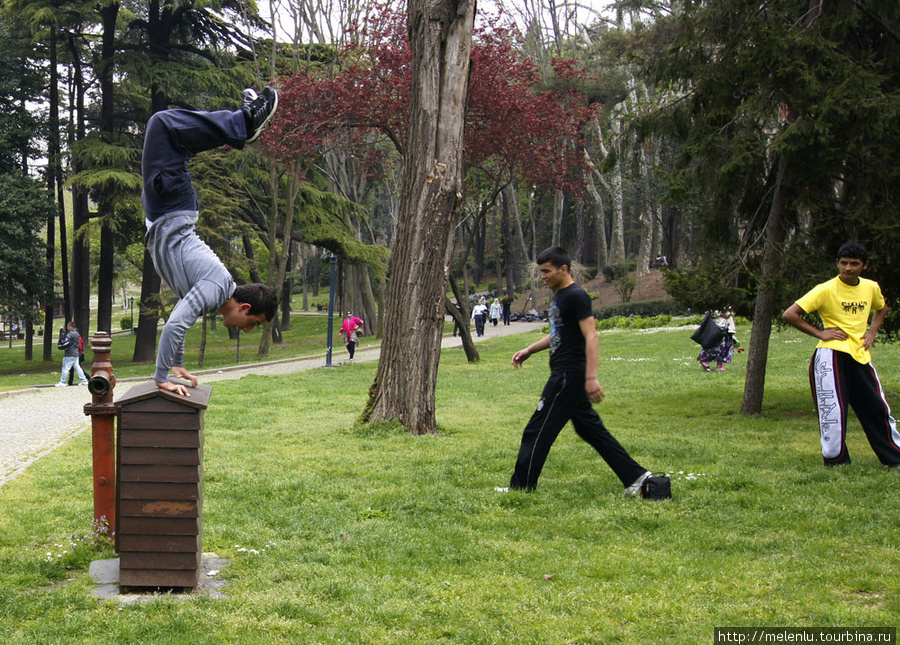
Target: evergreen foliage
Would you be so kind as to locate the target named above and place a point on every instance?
(750, 84)
(24, 208)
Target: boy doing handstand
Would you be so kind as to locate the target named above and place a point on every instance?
(181, 258)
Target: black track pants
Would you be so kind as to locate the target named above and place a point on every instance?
(838, 381)
(564, 399)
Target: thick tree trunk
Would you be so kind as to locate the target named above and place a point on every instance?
(81, 246)
(766, 299)
(109, 13)
(617, 235)
(600, 220)
(581, 231)
(646, 218)
(440, 35)
(52, 180)
(148, 317)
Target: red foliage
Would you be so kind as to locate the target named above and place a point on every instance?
(510, 122)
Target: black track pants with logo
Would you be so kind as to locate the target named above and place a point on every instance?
(837, 381)
(563, 399)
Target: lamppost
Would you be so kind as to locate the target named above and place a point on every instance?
(131, 305)
(332, 258)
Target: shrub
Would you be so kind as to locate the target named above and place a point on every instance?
(645, 308)
(625, 287)
(612, 272)
(635, 322)
(127, 323)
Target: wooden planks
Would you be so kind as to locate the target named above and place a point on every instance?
(160, 486)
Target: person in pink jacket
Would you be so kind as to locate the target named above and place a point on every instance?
(350, 329)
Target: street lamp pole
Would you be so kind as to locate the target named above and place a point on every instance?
(333, 260)
(131, 304)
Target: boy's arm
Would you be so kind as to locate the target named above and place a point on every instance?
(592, 354)
(520, 356)
(877, 321)
(793, 315)
(171, 347)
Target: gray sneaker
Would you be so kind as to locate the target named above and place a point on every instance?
(635, 488)
(259, 112)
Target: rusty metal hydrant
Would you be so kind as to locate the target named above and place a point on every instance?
(103, 436)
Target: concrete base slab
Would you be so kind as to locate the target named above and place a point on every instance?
(105, 574)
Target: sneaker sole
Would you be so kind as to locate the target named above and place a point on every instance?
(268, 118)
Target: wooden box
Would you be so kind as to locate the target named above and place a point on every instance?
(159, 500)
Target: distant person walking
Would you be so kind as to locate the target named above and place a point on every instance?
(479, 315)
(720, 351)
(69, 343)
(506, 305)
(350, 329)
(496, 311)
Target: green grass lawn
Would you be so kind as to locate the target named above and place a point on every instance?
(341, 535)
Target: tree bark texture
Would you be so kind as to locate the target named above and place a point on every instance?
(109, 13)
(440, 34)
(766, 299)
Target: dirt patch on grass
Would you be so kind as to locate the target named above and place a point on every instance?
(647, 287)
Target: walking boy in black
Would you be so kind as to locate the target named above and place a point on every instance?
(572, 386)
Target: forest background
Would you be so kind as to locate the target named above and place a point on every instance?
(743, 141)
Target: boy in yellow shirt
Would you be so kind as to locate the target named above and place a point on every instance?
(841, 371)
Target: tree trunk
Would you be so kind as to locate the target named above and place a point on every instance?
(599, 219)
(461, 318)
(766, 300)
(440, 35)
(581, 231)
(109, 13)
(275, 262)
(559, 201)
(645, 247)
(617, 235)
(81, 245)
(54, 151)
(148, 316)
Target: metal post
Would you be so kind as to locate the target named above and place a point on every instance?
(102, 413)
(333, 259)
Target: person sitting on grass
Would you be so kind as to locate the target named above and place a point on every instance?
(190, 268)
(841, 371)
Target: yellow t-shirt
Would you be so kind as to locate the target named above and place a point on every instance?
(847, 308)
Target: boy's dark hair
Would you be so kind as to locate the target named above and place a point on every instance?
(853, 250)
(555, 255)
(260, 297)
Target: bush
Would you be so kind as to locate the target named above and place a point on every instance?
(645, 308)
(127, 323)
(625, 287)
(635, 322)
(612, 272)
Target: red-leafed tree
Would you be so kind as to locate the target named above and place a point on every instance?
(414, 96)
(514, 127)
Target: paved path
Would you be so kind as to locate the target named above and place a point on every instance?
(34, 422)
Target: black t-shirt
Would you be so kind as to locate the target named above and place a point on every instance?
(568, 307)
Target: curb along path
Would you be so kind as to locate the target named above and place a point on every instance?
(38, 420)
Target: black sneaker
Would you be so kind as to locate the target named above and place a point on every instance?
(259, 111)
